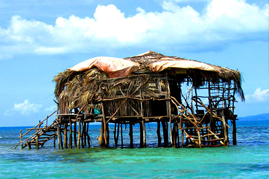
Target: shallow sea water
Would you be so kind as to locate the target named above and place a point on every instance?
(249, 159)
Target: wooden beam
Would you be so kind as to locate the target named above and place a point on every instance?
(131, 135)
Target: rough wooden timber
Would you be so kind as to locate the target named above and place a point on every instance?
(149, 91)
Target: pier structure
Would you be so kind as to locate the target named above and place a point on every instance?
(191, 102)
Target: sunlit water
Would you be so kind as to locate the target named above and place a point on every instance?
(249, 159)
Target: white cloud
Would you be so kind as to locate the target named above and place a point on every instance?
(258, 96)
(51, 108)
(176, 27)
(25, 108)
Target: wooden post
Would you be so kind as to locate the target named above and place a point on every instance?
(89, 139)
(121, 135)
(21, 139)
(159, 134)
(100, 139)
(182, 132)
(107, 134)
(37, 144)
(165, 133)
(70, 134)
(131, 135)
(54, 145)
(104, 125)
(144, 132)
(79, 134)
(224, 129)
(84, 134)
(29, 145)
(141, 134)
(115, 135)
(234, 132)
(65, 136)
(168, 109)
(58, 136)
(75, 133)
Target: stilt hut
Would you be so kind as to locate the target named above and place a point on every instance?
(190, 101)
(183, 96)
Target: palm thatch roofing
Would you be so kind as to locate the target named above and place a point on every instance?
(83, 81)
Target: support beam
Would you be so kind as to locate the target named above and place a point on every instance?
(75, 134)
(59, 135)
(165, 133)
(131, 135)
(70, 134)
(144, 132)
(159, 133)
(65, 136)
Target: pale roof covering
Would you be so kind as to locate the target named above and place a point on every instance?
(114, 67)
(118, 67)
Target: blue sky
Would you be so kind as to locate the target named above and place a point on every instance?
(39, 39)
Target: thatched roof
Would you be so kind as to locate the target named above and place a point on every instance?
(83, 82)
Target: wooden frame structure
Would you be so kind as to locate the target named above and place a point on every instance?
(198, 118)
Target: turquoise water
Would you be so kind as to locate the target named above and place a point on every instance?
(249, 159)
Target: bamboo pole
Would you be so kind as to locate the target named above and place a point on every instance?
(159, 134)
(144, 132)
(131, 135)
(165, 133)
(65, 136)
(70, 134)
(115, 135)
(37, 144)
(224, 129)
(54, 139)
(58, 135)
(121, 135)
(100, 139)
(79, 134)
(21, 139)
(104, 125)
(75, 134)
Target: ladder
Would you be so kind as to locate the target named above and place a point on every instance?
(41, 135)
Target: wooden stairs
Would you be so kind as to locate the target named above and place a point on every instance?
(40, 136)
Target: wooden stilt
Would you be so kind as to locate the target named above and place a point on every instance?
(54, 137)
(165, 133)
(37, 144)
(82, 135)
(70, 134)
(159, 134)
(174, 134)
(131, 135)
(121, 135)
(224, 129)
(101, 135)
(182, 133)
(59, 137)
(141, 134)
(75, 134)
(104, 125)
(29, 145)
(115, 135)
(65, 136)
(144, 132)
(21, 139)
(89, 139)
(107, 134)
(79, 134)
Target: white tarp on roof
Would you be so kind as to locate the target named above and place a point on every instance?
(184, 64)
(114, 67)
